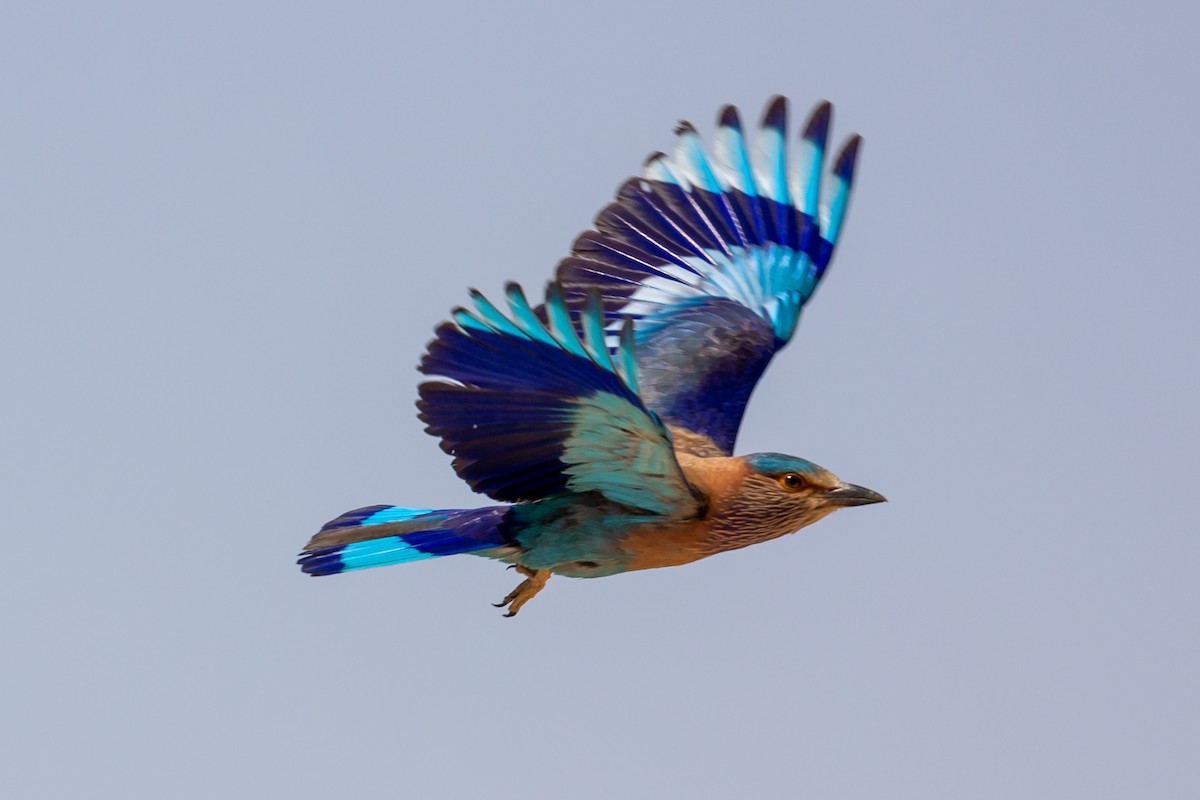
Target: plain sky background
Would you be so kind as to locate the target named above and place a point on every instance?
(227, 231)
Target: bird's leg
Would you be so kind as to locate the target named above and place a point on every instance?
(535, 579)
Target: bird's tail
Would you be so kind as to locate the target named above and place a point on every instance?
(377, 536)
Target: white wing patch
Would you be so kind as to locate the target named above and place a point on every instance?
(763, 279)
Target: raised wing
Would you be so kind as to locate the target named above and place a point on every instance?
(713, 259)
(531, 408)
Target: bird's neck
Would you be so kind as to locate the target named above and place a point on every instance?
(719, 479)
(735, 516)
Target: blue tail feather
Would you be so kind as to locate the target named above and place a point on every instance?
(378, 536)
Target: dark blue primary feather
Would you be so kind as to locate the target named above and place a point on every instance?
(713, 258)
(532, 408)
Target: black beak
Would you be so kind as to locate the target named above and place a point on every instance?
(850, 495)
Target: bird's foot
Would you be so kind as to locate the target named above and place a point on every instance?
(535, 579)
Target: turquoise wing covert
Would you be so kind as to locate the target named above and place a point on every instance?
(530, 407)
(713, 259)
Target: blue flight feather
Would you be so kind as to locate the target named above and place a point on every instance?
(729, 147)
(627, 350)
(690, 157)
(524, 316)
(843, 172)
(772, 150)
(560, 322)
(812, 158)
(592, 322)
(657, 168)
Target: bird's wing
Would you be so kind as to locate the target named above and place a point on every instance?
(530, 406)
(713, 257)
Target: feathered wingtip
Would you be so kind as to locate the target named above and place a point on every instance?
(810, 161)
(729, 152)
(768, 173)
(775, 114)
(771, 147)
(833, 216)
(816, 130)
(847, 158)
(552, 324)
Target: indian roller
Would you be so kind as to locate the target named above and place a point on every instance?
(604, 418)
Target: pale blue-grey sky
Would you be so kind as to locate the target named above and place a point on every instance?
(227, 231)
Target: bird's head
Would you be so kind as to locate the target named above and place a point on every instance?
(781, 494)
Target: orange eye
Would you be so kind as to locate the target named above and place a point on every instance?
(792, 482)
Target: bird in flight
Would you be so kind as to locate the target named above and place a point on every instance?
(604, 418)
